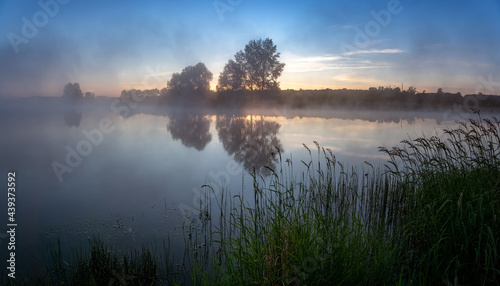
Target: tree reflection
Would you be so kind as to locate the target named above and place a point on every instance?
(252, 142)
(72, 117)
(192, 130)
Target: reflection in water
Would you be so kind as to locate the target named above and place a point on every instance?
(192, 130)
(72, 117)
(252, 143)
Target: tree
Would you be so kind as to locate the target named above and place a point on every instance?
(262, 65)
(89, 95)
(72, 91)
(412, 90)
(132, 96)
(152, 92)
(232, 78)
(257, 67)
(192, 79)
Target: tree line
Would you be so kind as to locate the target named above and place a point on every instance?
(73, 92)
(251, 78)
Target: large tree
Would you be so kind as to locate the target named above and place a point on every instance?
(72, 91)
(257, 67)
(192, 79)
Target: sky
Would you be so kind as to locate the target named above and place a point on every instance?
(108, 46)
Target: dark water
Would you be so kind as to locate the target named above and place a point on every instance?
(134, 178)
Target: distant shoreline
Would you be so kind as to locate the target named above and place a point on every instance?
(281, 102)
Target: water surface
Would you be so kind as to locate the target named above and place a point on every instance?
(140, 180)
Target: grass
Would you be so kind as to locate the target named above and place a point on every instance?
(454, 208)
(100, 265)
(430, 216)
(332, 227)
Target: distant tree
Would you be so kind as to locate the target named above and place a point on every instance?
(152, 92)
(72, 91)
(257, 67)
(89, 95)
(131, 95)
(412, 90)
(192, 79)
(163, 92)
(440, 90)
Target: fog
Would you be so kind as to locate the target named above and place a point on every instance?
(117, 118)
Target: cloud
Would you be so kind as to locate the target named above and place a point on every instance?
(344, 27)
(374, 51)
(300, 64)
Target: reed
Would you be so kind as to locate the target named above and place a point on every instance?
(453, 203)
(101, 265)
(430, 216)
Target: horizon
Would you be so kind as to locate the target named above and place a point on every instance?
(257, 91)
(108, 48)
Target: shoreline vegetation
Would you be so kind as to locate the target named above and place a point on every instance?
(430, 216)
(382, 98)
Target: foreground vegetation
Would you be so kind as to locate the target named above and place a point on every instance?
(429, 217)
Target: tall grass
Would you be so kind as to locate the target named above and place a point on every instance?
(97, 264)
(454, 203)
(100, 265)
(429, 217)
(331, 226)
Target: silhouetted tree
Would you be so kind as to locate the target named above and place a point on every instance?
(232, 78)
(89, 95)
(412, 90)
(152, 92)
(72, 91)
(262, 65)
(192, 130)
(132, 97)
(257, 67)
(440, 90)
(192, 79)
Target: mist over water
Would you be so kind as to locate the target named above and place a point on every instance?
(83, 170)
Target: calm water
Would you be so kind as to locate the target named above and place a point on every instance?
(141, 177)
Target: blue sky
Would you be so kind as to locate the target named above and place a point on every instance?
(108, 46)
